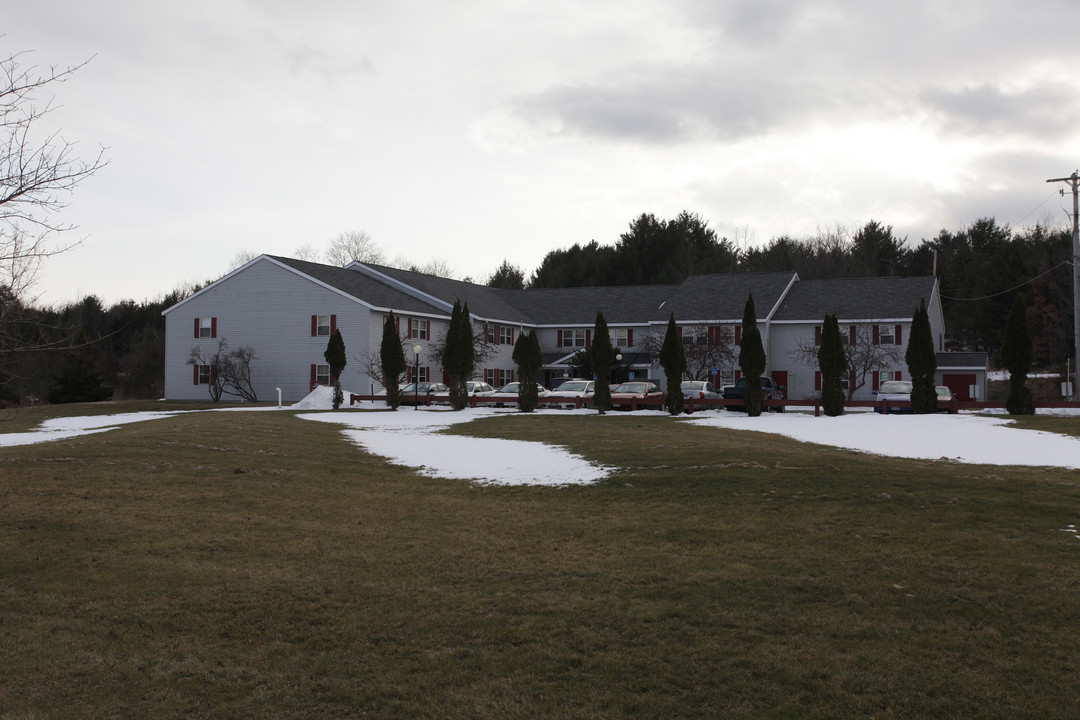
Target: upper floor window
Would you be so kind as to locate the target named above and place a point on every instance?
(621, 337)
(206, 327)
(418, 329)
(506, 335)
(573, 338)
(695, 335)
(886, 336)
(322, 325)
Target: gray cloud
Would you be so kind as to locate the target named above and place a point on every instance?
(1047, 109)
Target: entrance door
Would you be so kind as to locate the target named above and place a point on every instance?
(959, 383)
(780, 378)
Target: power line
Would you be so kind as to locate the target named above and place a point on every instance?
(1006, 292)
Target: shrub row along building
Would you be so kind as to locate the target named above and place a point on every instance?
(286, 309)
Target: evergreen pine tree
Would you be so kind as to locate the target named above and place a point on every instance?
(832, 362)
(79, 380)
(459, 355)
(601, 357)
(751, 360)
(392, 359)
(529, 361)
(1017, 354)
(922, 363)
(673, 360)
(335, 358)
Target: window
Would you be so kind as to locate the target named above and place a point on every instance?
(322, 374)
(727, 376)
(622, 338)
(204, 375)
(418, 329)
(572, 338)
(696, 335)
(322, 325)
(886, 336)
(498, 378)
(489, 333)
(887, 376)
(506, 335)
(419, 374)
(205, 327)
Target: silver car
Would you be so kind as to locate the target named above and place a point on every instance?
(572, 389)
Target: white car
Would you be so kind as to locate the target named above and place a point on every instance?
(474, 388)
(507, 395)
(572, 389)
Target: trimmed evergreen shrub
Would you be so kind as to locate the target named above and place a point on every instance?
(601, 358)
(922, 363)
(1017, 354)
(832, 362)
(529, 361)
(335, 358)
(392, 359)
(673, 360)
(459, 355)
(751, 359)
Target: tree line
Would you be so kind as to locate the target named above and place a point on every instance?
(982, 268)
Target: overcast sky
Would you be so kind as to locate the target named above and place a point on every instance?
(478, 130)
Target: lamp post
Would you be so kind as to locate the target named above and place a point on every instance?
(416, 377)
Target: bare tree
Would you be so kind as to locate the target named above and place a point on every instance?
(242, 257)
(39, 169)
(353, 246)
(704, 346)
(230, 370)
(864, 357)
(306, 252)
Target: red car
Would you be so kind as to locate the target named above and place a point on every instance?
(624, 395)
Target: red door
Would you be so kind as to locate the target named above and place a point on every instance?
(780, 378)
(959, 383)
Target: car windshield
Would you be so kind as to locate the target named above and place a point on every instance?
(943, 391)
(509, 388)
(895, 387)
(573, 386)
(407, 388)
(692, 385)
(631, 387)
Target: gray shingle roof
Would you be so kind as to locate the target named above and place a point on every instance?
(856, 298)
(723, 297)
(483, 301)
(578, 306)
(974, 360)
(362, 287)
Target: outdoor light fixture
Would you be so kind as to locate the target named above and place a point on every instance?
(416, 377)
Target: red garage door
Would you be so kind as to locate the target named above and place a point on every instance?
(959, 383)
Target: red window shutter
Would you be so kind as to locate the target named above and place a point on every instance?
(710, 333)
(817, 379)
(678, 328)
(898, 375)
(511, 376)
(558, 339)
(817, 337)
(333, 324)
(851, 379)
(397, 325)
(196, 328)
(877, 338)
(196, 371)
(213, 327)
(875, 381)
(313, 376)
(738, 374)
(738, 334)
(851, 336)
(629, 338)
(314, 325)
(897, 335)
(588, 338)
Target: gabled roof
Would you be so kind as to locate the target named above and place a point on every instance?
(723, 297)
(955, 360)
(484, 302)
(362, 287)
(623, 304)
(856, 299)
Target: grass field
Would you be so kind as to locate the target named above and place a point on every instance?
(224, 565)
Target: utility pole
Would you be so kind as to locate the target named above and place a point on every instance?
(1074, 182)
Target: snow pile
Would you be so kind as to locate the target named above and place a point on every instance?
(321, 398)
(409, 438)
(961, 438)
(62, 428)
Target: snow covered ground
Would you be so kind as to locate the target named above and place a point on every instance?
(411, 438)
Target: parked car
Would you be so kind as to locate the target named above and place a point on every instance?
(624, 395)
(417, 393)
(474, 388)
(573, 388)
(507, 395)
(944, 394)
(893, 391)
(769, 390)
(699, 390)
